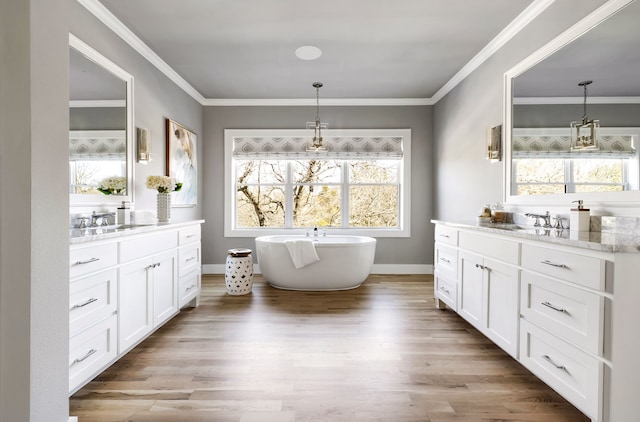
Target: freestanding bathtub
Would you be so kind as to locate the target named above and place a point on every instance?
(345, 262)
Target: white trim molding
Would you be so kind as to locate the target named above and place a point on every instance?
(377, 269)
(574, 100)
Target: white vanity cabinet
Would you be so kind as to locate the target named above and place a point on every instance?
(563, 322)
(549, 302)
(489, 287)
(123, 287)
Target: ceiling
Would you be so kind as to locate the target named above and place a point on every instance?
(608, 54)
(371, 49)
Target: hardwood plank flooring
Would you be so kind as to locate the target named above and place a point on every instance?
(381, 352)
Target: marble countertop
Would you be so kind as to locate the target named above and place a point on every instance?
(596, 241)
(91, 234)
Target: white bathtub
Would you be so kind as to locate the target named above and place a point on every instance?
(345, 262)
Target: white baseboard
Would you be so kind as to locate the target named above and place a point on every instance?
(377, 269)
(73, 419)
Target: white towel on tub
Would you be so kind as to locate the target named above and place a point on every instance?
(302, 251)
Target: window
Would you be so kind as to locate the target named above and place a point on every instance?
(543, 162)
(358, 186)
(535, 176)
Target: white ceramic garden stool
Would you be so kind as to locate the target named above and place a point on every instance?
(239, 272)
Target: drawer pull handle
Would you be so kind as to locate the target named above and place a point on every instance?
(157, 264)
(445, 290)
(555, 308)
(83, 304)
(482, 267)
(445, 260)
(88, 261)
(85, 357)
(190, 235)
(548, 359)
(553, 264)
(446, 236)
(190, 259)
(190, 287)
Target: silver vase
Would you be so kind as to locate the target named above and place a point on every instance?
(164, 207)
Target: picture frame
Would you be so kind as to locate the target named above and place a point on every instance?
(182, 163)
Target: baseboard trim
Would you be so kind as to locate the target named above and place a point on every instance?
(73, 419)
(377, 269)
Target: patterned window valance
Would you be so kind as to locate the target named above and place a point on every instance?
(556, 143)
(339, 146)
(93, 145)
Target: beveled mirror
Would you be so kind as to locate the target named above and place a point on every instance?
(100, 128)
(543, 96)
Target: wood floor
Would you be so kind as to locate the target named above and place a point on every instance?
(381, 352)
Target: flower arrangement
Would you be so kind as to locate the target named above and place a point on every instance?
(114, 185)
(163, 184)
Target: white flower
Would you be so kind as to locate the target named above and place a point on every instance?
(113, 185)
(163, 184)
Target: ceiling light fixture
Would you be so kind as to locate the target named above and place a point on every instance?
(583, 133)
(317, 126)
(308, 52)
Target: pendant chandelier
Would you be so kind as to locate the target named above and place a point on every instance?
(317, 126)
(583, 133)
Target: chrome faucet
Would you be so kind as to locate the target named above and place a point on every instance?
(104, 217)
(546, 217)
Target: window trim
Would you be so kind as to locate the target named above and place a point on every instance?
(404, 222)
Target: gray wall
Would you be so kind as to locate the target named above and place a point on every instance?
(155, 99)
(464, 179)
(34, 204)
(417, 249)
(558, 115)
(97, 118)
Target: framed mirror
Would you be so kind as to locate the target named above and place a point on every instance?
(100, 128)
(544, 95)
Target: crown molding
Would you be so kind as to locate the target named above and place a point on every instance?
(324, 102)
(575, 100)
(113, 23)
(519, 23)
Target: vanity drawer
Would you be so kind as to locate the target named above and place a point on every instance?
(446, 234)
(87, 259)
(189, 234)
(189, 287)
(574, 374)
(573, 314)
(489, 246)
(580, 269)
(143, 246)
(446, 290)
(90, 351)
(446, 261)
(91, 299)
(189, 259)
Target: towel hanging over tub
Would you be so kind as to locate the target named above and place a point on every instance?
(302, 252)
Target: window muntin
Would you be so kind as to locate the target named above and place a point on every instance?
(326, 193)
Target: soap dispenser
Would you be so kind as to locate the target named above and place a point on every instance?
(124, 213)
(579, 218)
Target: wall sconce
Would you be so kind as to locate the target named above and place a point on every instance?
(494, 143)
(144, 145)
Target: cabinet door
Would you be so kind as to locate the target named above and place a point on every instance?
(165, 287)
(470, 295)
(135, 313)
(501, 305)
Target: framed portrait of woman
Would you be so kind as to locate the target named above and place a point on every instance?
(182, 163)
